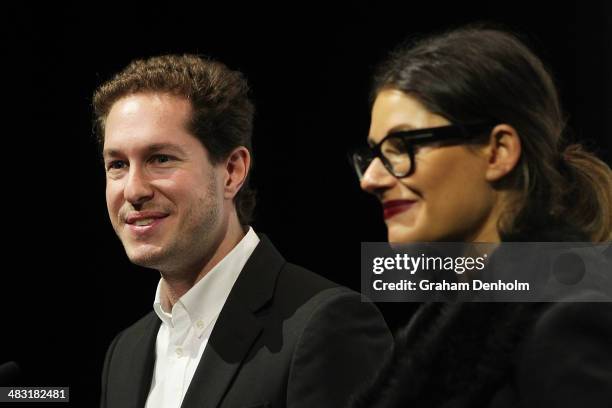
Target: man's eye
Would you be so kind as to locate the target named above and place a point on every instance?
(116, 165)
(161, 158)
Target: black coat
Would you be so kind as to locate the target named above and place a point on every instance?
(501, 354)
(285, 337)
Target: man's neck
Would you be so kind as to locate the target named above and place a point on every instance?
(174, 286)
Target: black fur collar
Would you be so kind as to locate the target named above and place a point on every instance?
(452, 355)
(460, 354)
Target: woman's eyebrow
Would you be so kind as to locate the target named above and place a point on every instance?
(401, 128)
(397, 128)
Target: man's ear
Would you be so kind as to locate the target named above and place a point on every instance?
(503, 152)
(237, 166)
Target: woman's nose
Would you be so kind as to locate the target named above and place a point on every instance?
(376, 177)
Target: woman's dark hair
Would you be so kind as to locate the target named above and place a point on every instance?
(475, 73)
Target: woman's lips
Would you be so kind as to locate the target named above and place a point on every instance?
(393, 207)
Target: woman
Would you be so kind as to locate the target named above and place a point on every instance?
(467, 144)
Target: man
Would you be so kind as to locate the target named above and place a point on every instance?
(234, 324)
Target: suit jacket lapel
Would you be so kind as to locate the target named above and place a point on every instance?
(146, 354)
(222, 357)
(135, 381)
(236, 329)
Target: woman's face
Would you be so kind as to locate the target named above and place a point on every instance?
(447, 198)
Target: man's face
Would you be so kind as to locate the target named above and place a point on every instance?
(164, 197)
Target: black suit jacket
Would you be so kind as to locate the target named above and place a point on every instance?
(285, 337)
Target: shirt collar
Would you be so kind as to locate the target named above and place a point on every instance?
(204, 301)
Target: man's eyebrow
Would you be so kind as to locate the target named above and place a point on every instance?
(164, 146)
(397, 128)
(108, 153)
(156, 147)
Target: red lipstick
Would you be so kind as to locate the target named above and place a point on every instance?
(393, 207)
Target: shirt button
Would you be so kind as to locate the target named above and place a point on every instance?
(199, 324)
(179, 351)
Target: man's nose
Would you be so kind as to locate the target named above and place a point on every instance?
(138, 187)
(377, 178)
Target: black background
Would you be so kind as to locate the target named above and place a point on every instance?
(67, 287)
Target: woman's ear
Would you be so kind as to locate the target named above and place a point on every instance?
(237, 167)
(503, 152)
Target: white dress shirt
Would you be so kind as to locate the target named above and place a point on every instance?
(184, 333)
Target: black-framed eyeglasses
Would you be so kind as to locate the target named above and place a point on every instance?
(397, 150)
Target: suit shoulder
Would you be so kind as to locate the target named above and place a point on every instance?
(294, 279)
(305, 293)
(303, 276)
